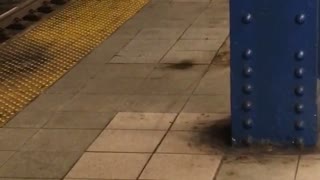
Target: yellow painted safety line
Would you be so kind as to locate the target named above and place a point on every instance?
(34, 61)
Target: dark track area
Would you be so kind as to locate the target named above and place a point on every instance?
(6, 5)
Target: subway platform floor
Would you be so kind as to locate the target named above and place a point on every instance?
(152, 102)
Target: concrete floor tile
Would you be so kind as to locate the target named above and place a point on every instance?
(170, 23)
(194, 57)
(160, 33)
(79, 120)
(154, 103)
(215, 82)
(142, 121)
(181, 166)
(262, 168)
(106, 50)
(211, 22)
(112, 86)
(109, 166)
(206, 33)
(81, 73)
(4, 156)
(135, 60)
(13, 139)
(177, 72)
(217, 72)
(66, 86)
(181, 142)
(39, 164)
(94, 103)
(49, 102)
(30, 119)
(309, 167)
(146, 48)
(167, 86)
(210, 87)
(197, 45)
(74, 80)
(208, 104)
(127, 141)
(125, 71)
(61, 140)
(197, 121)
(125, 33)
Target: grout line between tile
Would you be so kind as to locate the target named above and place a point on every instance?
(219, 167)
(297, 167)
(64, 176)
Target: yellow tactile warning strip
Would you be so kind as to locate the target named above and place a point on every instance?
(32, 62)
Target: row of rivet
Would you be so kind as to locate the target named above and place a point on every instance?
(299, 91)
(247, 88)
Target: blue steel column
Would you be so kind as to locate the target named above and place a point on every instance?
(274, 71)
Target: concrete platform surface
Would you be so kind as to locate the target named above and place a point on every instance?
(151, 102)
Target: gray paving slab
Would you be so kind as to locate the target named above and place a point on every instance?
(49, 102)
(197, 45)
(13, 138)
(135, 59)
(105, 51)
(125, 71)
(154, 103)
(79, 120)
(74, 80)
(215, 82)
(178, 71)
(4, 156)
(30, 119)
(81, 72)
(218, 33)
(148, 48)
(263, 168)
(192, 57)
(208, 104)
(95, 103)
(168, 86)
(39, 164)
(109, 166)
(112, 86)
(60, 140)
(160, 33)
(181, 166)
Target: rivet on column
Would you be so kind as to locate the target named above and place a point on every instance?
(247, 54)
(299, 91)
(247, 19)
(301, 18)
(300, 55)
(248, 88)
(248, 123)
(299, 125)
(247, 71)
(299, 108)
(299, 72)
(247, 106)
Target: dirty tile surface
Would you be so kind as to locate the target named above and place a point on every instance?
(140, 121)
(252, 168)
(127, 141)
(181, 166)
(109, 166)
